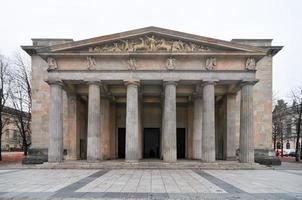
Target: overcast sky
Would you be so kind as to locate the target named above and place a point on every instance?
(280, 20)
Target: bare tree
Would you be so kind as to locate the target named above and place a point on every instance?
(279, 112)
(21, 99)
(297, 110)
(5, 82)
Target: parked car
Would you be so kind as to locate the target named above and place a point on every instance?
(289, 152)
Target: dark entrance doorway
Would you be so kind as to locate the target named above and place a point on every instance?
(151, 142)
(121, 142)
(181, 142)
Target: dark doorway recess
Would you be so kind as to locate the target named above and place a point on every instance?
(121, 142)
(181, 142)
(151, 142)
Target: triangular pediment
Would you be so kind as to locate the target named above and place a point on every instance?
(151, 39)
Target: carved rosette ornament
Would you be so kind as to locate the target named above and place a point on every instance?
(250, 64)
(149, 44)
(171, 63)
(132, 64)
(210, 63)
(91, 63)
(52, 63)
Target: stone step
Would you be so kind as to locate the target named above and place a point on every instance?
(148, 165)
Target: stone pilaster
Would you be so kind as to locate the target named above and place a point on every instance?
(162, 125)
(169, 122)
(140, 126)
(105, 126)
(113, 137)
(230, 147)
(208, 122)
(246, 144)
(132, 121)
(197, 126)
(94, 125)
(55, 148)
(73, 151)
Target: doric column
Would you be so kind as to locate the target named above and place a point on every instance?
(197, 125)
(94, 122)
(208, 122)
(55, 148)
(169, 122)
(246, 145)
(132, 121)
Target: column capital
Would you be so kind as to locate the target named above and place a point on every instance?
(170, 82)
(132, 82)
(247, 82)
(93, 82)
(197, 95)
(209, 82)
(106, 95)
(55, 82)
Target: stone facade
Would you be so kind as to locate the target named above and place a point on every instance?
(152, 93)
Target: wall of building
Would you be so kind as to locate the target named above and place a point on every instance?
(40, 102)
(262, 95)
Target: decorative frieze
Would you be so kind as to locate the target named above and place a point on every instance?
(150, 44)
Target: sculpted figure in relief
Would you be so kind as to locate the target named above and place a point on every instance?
(127, 45)
(210, 63)
(149, 43)
(152, 43)
(250, 64)
(115, 48)
(52, 63)
(141, 46)
(132, 64)
(91, 63)
(171, 63)
(163, 45)
(177, 45)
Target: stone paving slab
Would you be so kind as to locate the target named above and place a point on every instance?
(261, 181)
(151, 184)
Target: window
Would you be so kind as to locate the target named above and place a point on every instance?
(287, 145)
(289, 129)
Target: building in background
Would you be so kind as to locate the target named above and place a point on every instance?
(285, 125)
(11, 138)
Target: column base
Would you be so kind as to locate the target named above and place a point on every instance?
(231, 158)
(36, 156)
(266, 157)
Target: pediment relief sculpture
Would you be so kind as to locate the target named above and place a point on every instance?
(171, 63)
(149, 43)
(210, 63)
(91, 63)
(52, 63)
(250, 64)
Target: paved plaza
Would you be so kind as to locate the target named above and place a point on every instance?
(150, 184)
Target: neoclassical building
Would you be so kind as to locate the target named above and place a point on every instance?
(152, 93)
